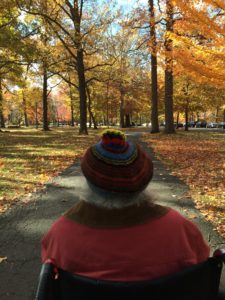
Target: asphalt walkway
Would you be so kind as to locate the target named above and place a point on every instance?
(22, 227)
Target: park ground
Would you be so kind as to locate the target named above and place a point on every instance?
(198, 159)
(53, 158)
(30, 157)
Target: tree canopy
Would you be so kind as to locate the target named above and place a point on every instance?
(100, 62)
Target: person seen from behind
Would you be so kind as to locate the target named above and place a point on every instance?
(116, 231)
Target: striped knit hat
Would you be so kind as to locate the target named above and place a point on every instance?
(117, 165)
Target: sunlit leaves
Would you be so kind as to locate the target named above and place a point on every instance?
(29, 158)
(199, 40)
(198, 159)
(2, 259)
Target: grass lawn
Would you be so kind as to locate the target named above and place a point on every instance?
(198, 158)
(30, 157)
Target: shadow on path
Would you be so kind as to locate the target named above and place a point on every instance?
(22, 227)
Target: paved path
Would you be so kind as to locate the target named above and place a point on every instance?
(22, 227)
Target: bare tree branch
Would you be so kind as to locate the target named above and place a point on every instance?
(63, 8)
(64, 43)
(99, 65)
(139, 46)
(159, 6)
(96, 79)
(7, 89)
(90, 53)
(65, 79)
(47, 17)
(81, 8)
(52, 87)
(87, 32)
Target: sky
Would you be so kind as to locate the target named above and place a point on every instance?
(131, 3)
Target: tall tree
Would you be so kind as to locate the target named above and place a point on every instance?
(76, 10)
(169, 126)
(45, 56)
(154, 79)
(2, 120)
(73, 28)
(24, 98)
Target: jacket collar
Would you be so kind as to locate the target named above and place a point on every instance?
(92, 216)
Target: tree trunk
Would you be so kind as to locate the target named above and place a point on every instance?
(92, 118)
(127, 120)
(36, 115)
(45, 98)
(186, 95)
(217, 113)
(197, 114)
(122, 124)
(24, 100)
(82, 92)
(169, 127)
(71, 106)
(107, 103)
(2, 120)
(76, 13)
(154, 111)
(25, 110)
(224, 115)
(72, 113)
(186, 115)
(178, 116)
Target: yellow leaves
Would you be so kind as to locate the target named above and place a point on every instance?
(199, 40)
(43, 178)
(197, 158)
(30, 158)
(3, 259)
(192, 216)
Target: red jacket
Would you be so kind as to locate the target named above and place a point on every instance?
(149, 250)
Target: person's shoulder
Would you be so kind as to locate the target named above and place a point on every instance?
(176, 218)
(182, 222)
(61, 222)
(57, 226)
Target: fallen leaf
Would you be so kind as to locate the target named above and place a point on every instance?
(3, 259)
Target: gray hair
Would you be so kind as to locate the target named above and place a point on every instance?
(110, 200)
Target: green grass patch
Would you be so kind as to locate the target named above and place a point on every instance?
(30, 157)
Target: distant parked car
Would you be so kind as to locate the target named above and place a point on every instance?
(212, 125)
(178, 125)
(190, 124)
(201, 124)
(221, 125)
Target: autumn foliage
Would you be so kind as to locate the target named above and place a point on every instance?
(29, 158)
(198, 159)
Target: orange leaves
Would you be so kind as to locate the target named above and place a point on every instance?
(3, 259)
(199, 41)
(198, 159)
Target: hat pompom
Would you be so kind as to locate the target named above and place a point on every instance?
(113, 140)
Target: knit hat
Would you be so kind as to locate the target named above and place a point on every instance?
(117, 165)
